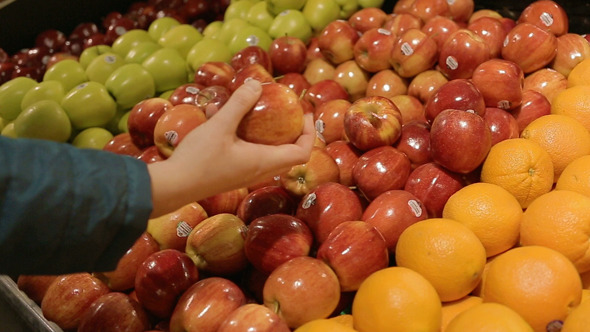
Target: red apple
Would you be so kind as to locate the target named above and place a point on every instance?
(175, 124)
(413, 53)
(500, 82)
(386, 83)
(123, 144)
(433, 184)
(461, 53)
(547, 15)
(162, 278)
(372, 51)
(367, 18)
(69, 296)
(266, 200)
(425, 84)
(224, 202)
(313, 50)
(253, 317)
(53, 39)
(492, 32)
(114, 310)
(427, 9)
(549, 82)
(484, 12)
(250, 55)
(345, 154)
(320, 168)
(206, 304)
(572, 48)
(461, 10)
(524, 38)
(336, 41)
(502, 124)
(325, 90)
(171, 230)
(216, 95)
(276, 118)
(410, 108)
(302, 289)
(402, 6)
(459, 94)
(398, 23)
(329, 119)
(326, 206)
(287, 54)
(440, 28)
(143, 118)
(319, 69)
(214, 73)
(371, 122)
(354, 250)
(216, 245)
(392, 212)
(35, 286)
(353, 78)
(295, 81)
(534, 105)
(185, 94)
(151, 154)
(414, 142)
(379, 170)
(250, 71)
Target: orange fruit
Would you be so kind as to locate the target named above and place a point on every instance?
(580, 74)
(562, 136)
(345, 319)
(585, 279)
(489, 317)
(585, 295)
(576, 176)
(322, 325)
(446, 252)
(539, 283)
(451, 309)
(520, 166)
(396, 299)
(575, 102)
(560, 220)
(578, 320)
(490, 211)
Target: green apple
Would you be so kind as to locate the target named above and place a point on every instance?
(159, 26)
(122, 124)
(52, 90)
(89, 105)
(167, 67)
(113, 125)
(238, 9)
(320, 13)
(250, 36)
(259, 16)
(207, 50)
(277, 6)
(347, 8)
(371, 3)
(181, 37)
(126, 41)
(292, 23)
(45, 119)
(92, 138)
(139, 52)
(89, 53)
(166, 94)
(8, 130)
(130, 84)
(102, 66)
(230, 28)
(212, 29)
(68, 72)
(12, 93)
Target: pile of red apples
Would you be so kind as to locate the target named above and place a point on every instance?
(406, 106)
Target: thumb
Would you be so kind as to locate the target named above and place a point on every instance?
(239, 103)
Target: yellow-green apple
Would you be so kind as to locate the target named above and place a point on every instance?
(427, 9)
(35, 285)
(413, 53)
(287, 54)
(371, 122)
(91, 53)
(162, 278)
(392, 212)
(251, 71)
(500, 82)
(502, 124)
(151, 154)
(492, 32)
(295, 81)
(319, 13)
(130, 84)
(370, 3)
(213, 29)
(274, 239)
(224, 202)
(171, 230)
(175, 124)
(205, 50)
(46, 90)
(122, 144)
(440, 28)
(69, 296)
(92, 138)
(329, 119)
(238, 10)
(114, 309)
(125, 42)
(185, 94)
(168, 68)
(345, 155)
(534, 105)
(546, 14)
(206, 304)
(326, 206)
(381, 169)
(277, 6)
(410, 107)
(302, 289)
(459, 94)
(259, 15)
(399, 23)
(249, 35)
(83, 114)
(372, 51)
(415, 142)
(276, 118)
(253, 317)
(229, 28)
(293, 23)
(101, 67)
(572, 48)
(181, 38)
(320, 168)
(525, 37)
(336, 41)
(270, 199)
(461, 53)
(143, 118)
(12, 93)
(354, 250)
(251, 54)
(138, 53)
(459, 140)
(44, 119)
(386, 83)
(353, 78)
(325, 90)
(214, 73)
(319, 69)
(433, 184)
(547, 81)
(368, 18)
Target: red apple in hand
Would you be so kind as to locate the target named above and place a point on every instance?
(336, 41)
(274, 239)
(253, 317)
(287, 54)
(530, 47)
(546, 14)
(114, 309)
(371, 122)
(276, 118)
(502, 124)
(392, 212)
(175, 124)
(460, 94)
(414, 142)
(171, 230)
(143, 118)
(302, 289)
(461, 53)
(500, 82)
(345, 155)
(328, 205)
(534, 105)
(413, 53)
(354, 250)
(320, 168)
(372, 50)
(266, 200)
(214, 73)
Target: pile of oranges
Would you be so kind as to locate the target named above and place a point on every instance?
(510, 252)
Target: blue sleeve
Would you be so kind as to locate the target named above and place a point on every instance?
(65, 209)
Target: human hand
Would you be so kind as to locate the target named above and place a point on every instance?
(212, 159)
